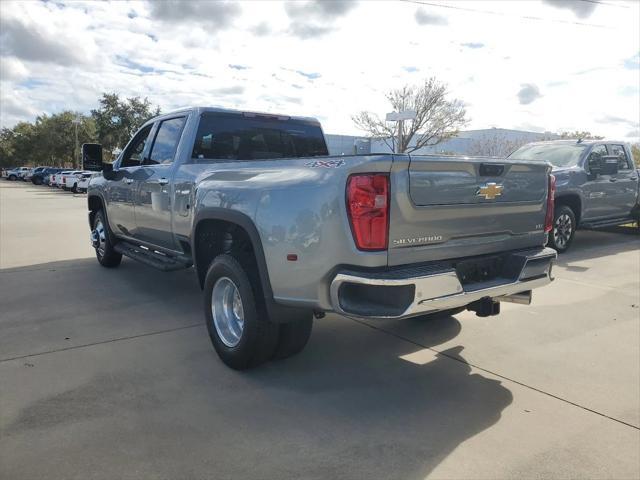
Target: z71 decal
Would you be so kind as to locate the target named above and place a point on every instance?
(325, 164)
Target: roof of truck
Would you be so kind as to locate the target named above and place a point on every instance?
(201, 109)
(580, 141)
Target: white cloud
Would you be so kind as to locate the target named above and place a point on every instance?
(325, 59)
(12, 69)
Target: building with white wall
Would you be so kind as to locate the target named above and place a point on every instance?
(469, 142)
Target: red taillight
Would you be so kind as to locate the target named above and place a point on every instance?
(548, 219)
(368, 209)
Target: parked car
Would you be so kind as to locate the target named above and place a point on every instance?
(58, 179)
(31, 172)
(597, 184)
(38, 178)
(16, 173)
(53, 179)
(83, 181)
(278, 231)
(25, 173)
(70, 180)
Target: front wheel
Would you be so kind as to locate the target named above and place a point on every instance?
(237, 320)
(12, 178)
(564, 227)
(105, 252)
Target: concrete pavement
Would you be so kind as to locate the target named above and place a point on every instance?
(110, 374)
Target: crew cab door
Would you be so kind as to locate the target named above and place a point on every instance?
(598, 189)
(625, 182)
(153, 204)
(121, 189)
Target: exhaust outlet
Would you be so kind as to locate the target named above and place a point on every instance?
(522, 298)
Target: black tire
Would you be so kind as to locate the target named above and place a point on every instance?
(441, 314)
(109, 258)
(293, 337)
(564, 229)
(259, 336)
(12, 178)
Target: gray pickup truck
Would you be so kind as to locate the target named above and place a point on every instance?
(280, 232)
(597, 184)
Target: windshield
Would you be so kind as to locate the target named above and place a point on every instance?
(229, 136)
(558, 154)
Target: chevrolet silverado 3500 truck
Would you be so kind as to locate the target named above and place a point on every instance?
(278, 231)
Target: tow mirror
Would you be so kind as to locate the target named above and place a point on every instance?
(595, 165)
(92, 157)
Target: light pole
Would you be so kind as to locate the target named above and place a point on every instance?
(77, 121)
(400, 117)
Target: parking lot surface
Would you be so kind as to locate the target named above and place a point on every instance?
(110, 374)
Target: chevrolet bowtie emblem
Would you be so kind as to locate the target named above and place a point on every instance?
(489, 191)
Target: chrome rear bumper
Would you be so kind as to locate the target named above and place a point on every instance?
(409, 291)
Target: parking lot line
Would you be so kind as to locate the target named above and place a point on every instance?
(496, 374)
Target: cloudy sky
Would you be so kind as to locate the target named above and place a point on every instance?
(537, 65)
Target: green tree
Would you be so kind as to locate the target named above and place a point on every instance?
(16, 145)
(6, 148)
(635, 150)
(54, 138)
(49, 141)
(116, 120)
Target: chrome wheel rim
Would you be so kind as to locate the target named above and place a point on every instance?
(562, 230)
(102, 238)
(227, 311)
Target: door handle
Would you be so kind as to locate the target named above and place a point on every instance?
(128, 181)
(613, 179)
(163, 181)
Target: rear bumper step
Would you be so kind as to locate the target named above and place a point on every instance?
(409, 291)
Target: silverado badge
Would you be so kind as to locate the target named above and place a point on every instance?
(489, 191)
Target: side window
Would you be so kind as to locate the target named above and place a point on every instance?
(166, 142)
(597, 152)
(133, 154)
(623, 161)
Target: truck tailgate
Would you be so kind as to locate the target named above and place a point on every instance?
(452, 207)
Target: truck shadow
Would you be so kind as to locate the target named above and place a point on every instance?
(356, 403)
(385, 408)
